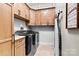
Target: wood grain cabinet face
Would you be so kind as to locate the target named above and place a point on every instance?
(37, 16)
(22, 10)
(5, 21)
(16, 8)
(51, 17)
(5, 29)
(47, 17)
(32, 17)
(5, 49)
(19, 9)
(44, 16)
(27, 13)
(20, 47)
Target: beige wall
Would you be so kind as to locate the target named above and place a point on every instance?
(70, 38)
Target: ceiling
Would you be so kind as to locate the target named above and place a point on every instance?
(40, 5)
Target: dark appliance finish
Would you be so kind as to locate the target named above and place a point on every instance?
(59, 32)
(35, 42)
(37, 39)
(33, 46)
(28, 40)
(28, 44)
(31, 41)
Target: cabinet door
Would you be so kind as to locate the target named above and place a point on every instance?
(19, 9)
(20, 47)
(47, 17)
(19, 51)
(5, 48)
(37, 16)
(51, 16)
(27, 12)
(5, 21)
(44, 17)
(32, 17)
(16, 8)
(5, 27)
(22, 10)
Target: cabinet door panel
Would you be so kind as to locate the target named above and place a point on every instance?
(5, 29)
(22, 10)
(20, 47)
(5, 21)
(44, 17)
(16, 8)
(5, 48)
(37, 16)
(51, 16)
(32, 17)
(47, 17)
(27, 12)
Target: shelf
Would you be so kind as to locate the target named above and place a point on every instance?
(21, 18)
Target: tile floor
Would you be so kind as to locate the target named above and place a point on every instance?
(44, 50)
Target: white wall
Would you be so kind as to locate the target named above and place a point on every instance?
(70, 38)
(18, 23)
(40, 5)
(46, 34)
(56, 41)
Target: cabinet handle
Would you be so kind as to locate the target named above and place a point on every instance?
(20, 40)
(13, 38)
(13, 35)
(25, 16)
(47, 23)
(19, 12)
(19, 45)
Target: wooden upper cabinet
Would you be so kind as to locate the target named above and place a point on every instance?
(16, 8)
(44, 16)
(47, 17)
(32, 17)
(51, 16)
(37, 16)
(19, 9)
(22, 10)
(5, 29)
(27, 12)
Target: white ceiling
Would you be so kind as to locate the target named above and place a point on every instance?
(40, 5)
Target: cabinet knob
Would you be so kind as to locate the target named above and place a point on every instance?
(19, 12)
(13, 38)
(47, 23)
(25, 16)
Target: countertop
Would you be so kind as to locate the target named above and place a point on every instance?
(9, 39)
(19, 37)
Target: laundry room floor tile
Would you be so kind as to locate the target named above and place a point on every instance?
(44, 50)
